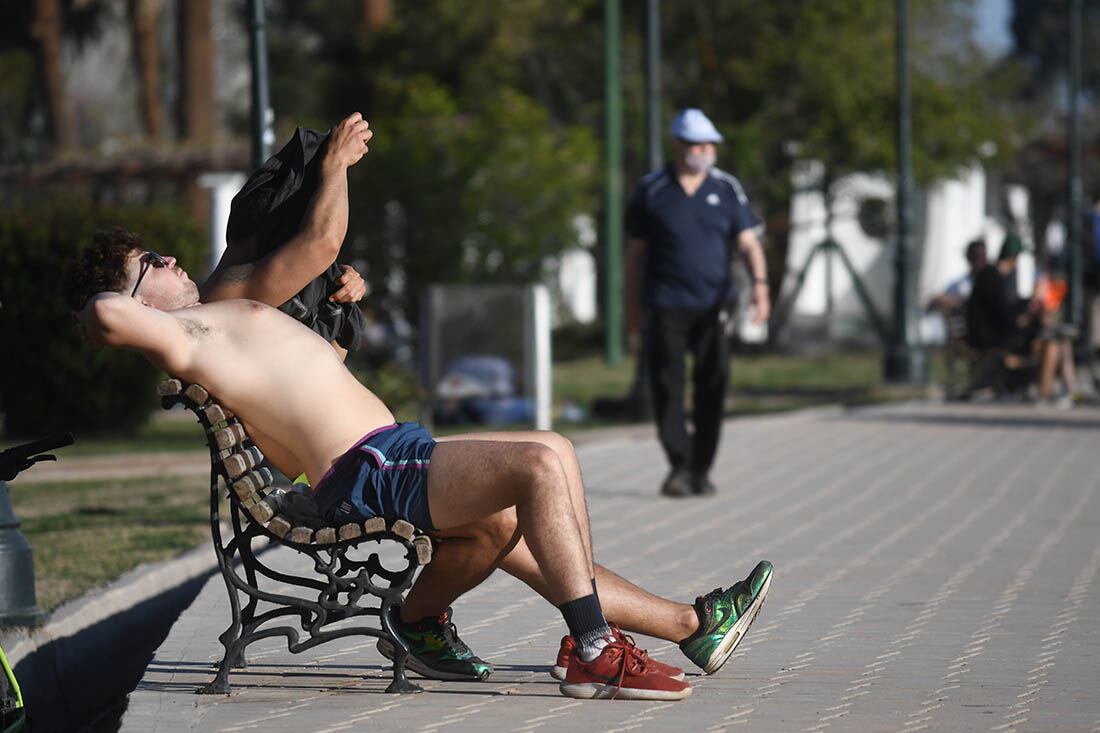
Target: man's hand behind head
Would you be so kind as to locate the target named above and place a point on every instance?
(348, 141)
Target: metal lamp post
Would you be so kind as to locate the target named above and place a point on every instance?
(613, 202)
(263, 117)
(17, 599)
(905, 359)
(1075, 205)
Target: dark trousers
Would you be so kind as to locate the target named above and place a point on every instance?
(673, 333)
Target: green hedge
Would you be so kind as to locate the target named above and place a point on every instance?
(50, 379)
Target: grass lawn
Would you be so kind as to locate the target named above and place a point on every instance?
(85, 533)
(758, 382)
(166, 431)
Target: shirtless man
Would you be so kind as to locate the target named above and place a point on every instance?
(312, 413)
(469, 555)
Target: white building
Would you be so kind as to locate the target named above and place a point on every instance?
(945, 217)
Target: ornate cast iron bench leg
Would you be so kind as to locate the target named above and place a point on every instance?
(339, 581)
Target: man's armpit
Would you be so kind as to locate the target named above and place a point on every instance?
(194, 329)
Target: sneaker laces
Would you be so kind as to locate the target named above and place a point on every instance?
(446, 630)
(628, 657)
(449, 633)
(618, 633)
(707, 601)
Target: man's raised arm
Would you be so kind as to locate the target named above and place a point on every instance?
(277, 277)
(111, 319)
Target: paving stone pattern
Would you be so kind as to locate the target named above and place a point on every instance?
(936, 568)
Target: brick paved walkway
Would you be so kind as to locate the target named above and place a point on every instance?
(937, 567)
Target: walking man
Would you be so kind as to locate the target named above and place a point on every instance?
(682, 223)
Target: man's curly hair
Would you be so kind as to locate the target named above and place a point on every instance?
(101, 266)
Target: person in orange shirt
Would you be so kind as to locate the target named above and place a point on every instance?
(1055, 339)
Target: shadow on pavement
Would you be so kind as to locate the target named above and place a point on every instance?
(985, 419)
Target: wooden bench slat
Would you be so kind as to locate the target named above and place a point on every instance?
(278, 526)
(169, 388)
(325, 536)
(300, 535)
(214, 413)
(374, 525)
(350, 531)
(423, 545)
(401, 528)
(253, 481)
(230, 436)
(261, 511)
(243, 460)
(196, 394)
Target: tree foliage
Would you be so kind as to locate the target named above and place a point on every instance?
(475, 173)
(1040, 33)
(50, 380)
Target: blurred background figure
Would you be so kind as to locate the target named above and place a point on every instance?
(682, 223)
(999, 324)
(955, 295)
(1054, 340)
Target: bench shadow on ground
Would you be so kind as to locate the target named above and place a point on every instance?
(342, 678)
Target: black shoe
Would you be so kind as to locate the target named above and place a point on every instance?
(703, 486)
(679, 483)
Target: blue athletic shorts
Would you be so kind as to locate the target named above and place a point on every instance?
(385, 475)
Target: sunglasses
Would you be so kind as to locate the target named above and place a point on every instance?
(147, 260)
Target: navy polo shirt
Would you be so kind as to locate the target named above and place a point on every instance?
(688, 238)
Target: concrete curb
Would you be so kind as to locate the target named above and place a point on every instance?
(91, 652)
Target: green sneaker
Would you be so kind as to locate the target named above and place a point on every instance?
(724, 617)
(436, 651)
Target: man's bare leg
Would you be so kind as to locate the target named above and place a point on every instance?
(631, 607)
(1069, 375)
(470, 480)
(463, 558)
(462, 562)
(1049, 352)
(624, 603)
(563, 449)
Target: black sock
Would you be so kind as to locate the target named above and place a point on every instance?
(587, 626)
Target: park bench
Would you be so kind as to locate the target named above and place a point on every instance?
(344, 582)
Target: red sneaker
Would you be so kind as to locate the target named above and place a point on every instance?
(621, 671)
(561, 665)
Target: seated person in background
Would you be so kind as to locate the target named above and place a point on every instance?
(1055, 338)
(953, 298)
(996, 318)
(321, 421)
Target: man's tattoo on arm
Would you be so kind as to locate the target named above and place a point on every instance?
(237, 274)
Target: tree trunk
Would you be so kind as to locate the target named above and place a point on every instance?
(198, 72)
(376, 13)
(47, 29)
(146, 19)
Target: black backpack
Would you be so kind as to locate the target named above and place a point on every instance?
(285, 184)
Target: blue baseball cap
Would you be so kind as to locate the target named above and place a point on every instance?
(692, 126)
